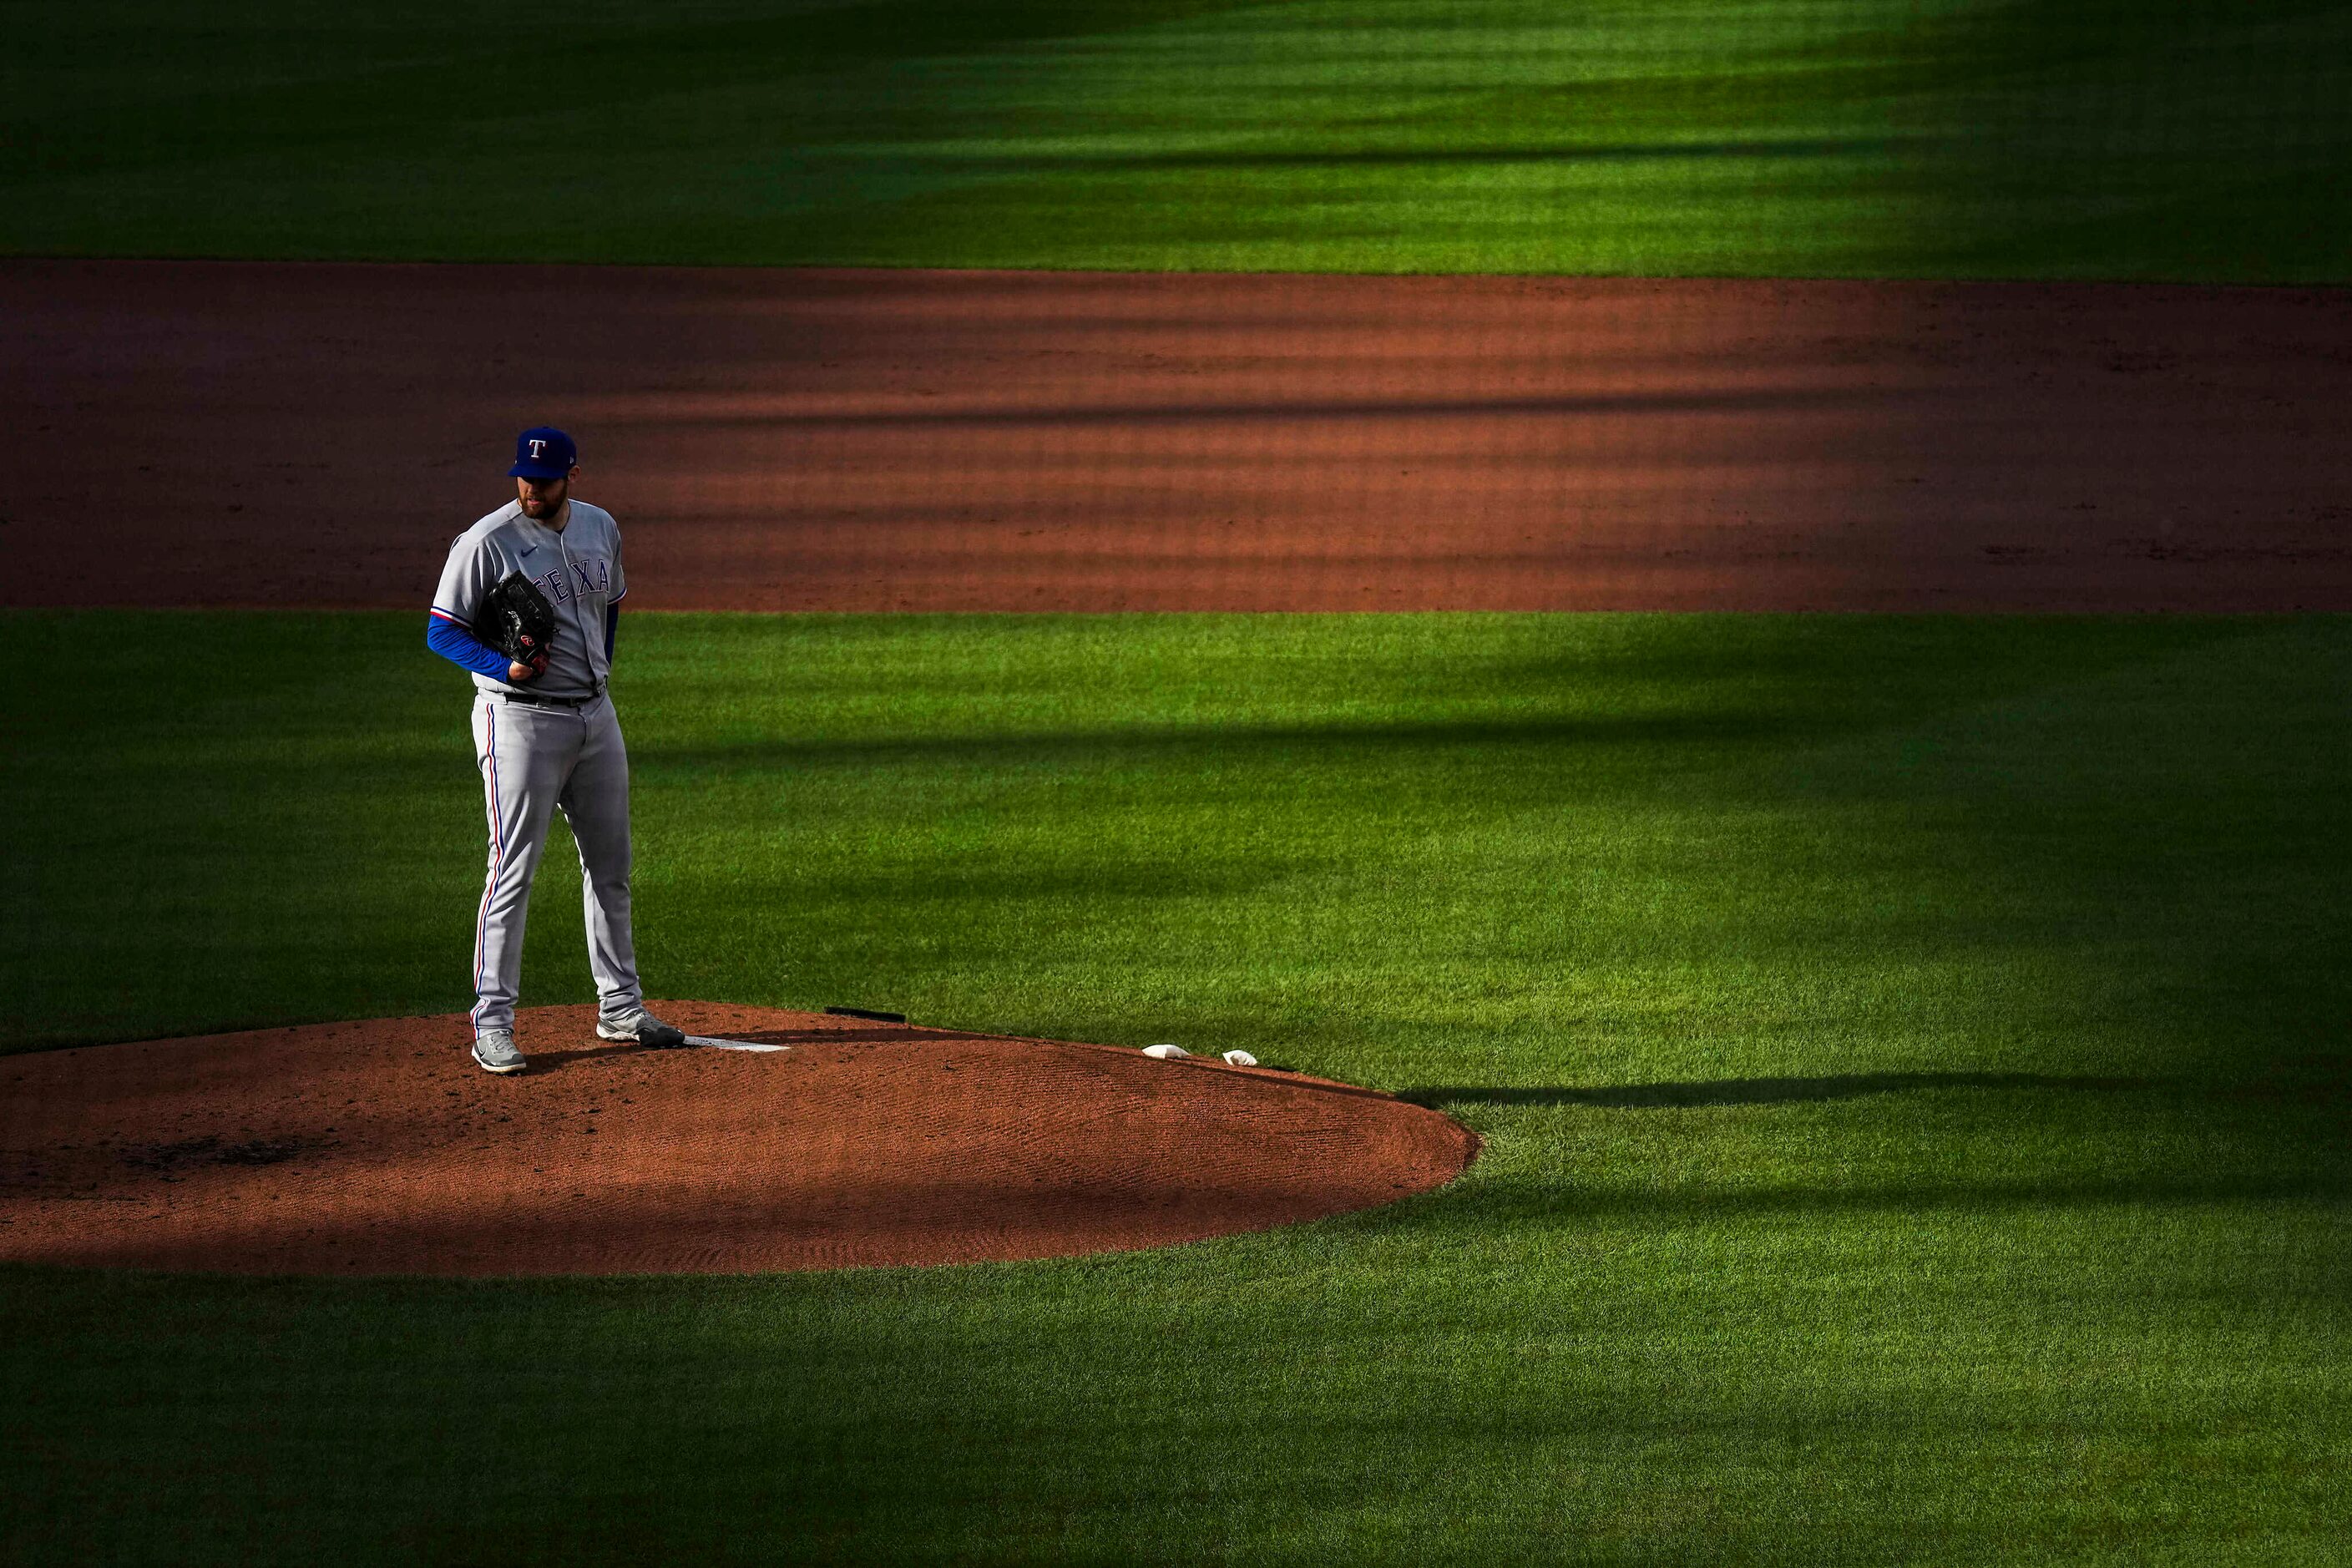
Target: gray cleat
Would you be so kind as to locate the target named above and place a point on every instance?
(494, 1051)
(641, 1027)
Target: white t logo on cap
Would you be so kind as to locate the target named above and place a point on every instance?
(538, 447)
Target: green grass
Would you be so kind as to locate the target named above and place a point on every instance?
(1910, 1054)
(2181, 139)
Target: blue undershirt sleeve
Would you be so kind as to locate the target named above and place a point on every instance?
(612, 625)
(463, 649)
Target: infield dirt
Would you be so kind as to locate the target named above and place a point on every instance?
(378, 1148)
(290, 436)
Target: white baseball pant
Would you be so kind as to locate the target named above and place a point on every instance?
(537, 761)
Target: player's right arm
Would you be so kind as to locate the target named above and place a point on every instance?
(465, 580)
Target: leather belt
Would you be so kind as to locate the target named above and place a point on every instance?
(536, 701)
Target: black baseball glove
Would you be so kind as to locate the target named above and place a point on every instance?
(518, 622)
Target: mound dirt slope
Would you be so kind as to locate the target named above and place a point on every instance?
(285, 435)
(378, 1148)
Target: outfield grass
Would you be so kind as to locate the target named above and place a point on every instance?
(2177, 139)
(1909, 1054)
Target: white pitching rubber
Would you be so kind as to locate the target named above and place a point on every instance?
(1240, 1059)
(731, 1044)
(1166, 1053)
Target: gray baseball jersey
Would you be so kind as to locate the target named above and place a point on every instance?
(579, 570)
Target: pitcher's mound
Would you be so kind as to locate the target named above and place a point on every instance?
(379, 1148)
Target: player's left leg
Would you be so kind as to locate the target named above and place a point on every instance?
(596, 801)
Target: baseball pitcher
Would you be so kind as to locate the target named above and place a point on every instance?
(528, 603)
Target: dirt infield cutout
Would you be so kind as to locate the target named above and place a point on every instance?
(826, 439)
(377, 1148)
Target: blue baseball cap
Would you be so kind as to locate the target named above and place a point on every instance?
(543, 452)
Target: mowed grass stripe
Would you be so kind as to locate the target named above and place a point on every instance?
(1404, 848)
(1966, 138)
(1908, 1055)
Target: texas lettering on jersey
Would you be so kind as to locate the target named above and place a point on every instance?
(593, 575)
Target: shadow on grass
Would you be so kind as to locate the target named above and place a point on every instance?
(2165, 1142)
(1431, 155)
(1924, 1195)
(1766, 1090)
(1712, 1092)
(1573, 734)
(228, 112)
